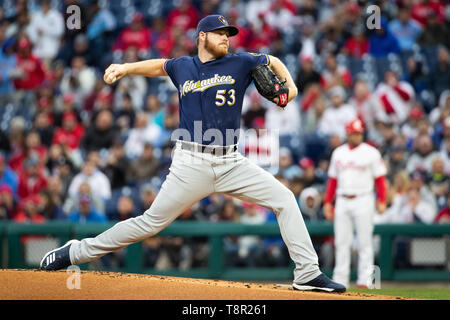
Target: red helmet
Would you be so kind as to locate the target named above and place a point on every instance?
(355, 126)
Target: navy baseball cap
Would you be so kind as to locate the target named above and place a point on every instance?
(215, 22)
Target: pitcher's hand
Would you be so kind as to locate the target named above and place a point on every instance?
(114, 72)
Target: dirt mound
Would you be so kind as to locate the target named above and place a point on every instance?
(90, 285)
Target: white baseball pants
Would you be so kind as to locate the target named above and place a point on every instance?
(354, 214)
(195, 175)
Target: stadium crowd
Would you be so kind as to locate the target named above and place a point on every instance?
(73, 148)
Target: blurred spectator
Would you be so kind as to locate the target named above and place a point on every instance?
(410, 129)
(444, 215)
(8, 177)
(116, 166)
(287, 168)
(310, 176)
(307, 39)
(155, 112)
(143, 168)
(365, 106)
(261, 33)
(138, 136)
(336, 116)
(20, 18)
(259, 145)
(171, 122)
(250, 247)
(415, 209)
(307, 75)
(31, 211)
(44, 128)
(56, 155)
(396, 159)
(254, 10)
(125, 117)
(421, 9)
(100, 135)
(423, 155)
(30, 66)
(8, 206)
(439, 182)
(8, 66)
(405, 29)
(357, 45)
(444, 153)
(415, 74)
(286, 120)
(32, 179)
(240, 41)
(85, 211)
(51, 206)
(254, 110)
(280, 17)
(79, 80)
(434, 32)
(395, 97)
(136, 35)
(185, 16)
(78, 47)
(45, 31)
(100, 22)
(97, 181)
(382, 42)
(70, 134)
(296, 185)
(134, 86)
(335, 75)
(124, 210)
(313, 106)
(439, 76)
(233, 5)
(147, 194)
(311, 205)
(56, 195)
(419, 181)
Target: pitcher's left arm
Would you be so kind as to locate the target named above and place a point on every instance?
(283, 73)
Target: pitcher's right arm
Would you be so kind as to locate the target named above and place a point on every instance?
(148, 68)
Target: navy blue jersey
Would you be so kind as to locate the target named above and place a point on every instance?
(211, 95)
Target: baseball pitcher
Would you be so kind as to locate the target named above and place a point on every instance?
(354, 169)
(211, 89)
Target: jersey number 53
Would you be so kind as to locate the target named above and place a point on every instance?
(221, 97)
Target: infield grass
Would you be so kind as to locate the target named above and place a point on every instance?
(418, 293)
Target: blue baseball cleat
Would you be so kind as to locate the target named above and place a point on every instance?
(58, 258)
(320, 283)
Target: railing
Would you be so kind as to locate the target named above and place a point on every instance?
(12, 250)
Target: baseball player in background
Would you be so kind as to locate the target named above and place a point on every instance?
(355, 168)
(211, 89)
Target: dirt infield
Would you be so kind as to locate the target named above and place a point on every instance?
(41, 285)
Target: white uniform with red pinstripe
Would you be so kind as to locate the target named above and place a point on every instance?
(355, 170)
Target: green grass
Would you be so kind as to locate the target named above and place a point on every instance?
(418, 293)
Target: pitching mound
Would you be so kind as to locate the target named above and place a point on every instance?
(41, 285)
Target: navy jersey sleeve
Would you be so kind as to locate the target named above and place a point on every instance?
(173, 67)
(252, 60)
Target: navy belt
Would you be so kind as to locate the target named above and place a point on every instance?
(214, 150)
